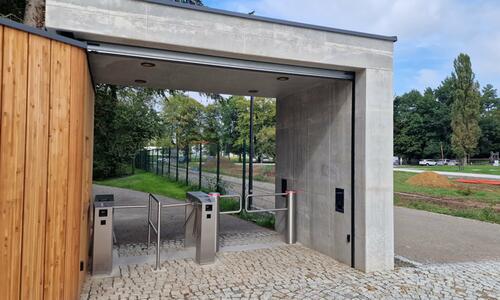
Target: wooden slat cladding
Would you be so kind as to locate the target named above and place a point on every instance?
(12, 150)
(58, 160)
(35, 191)
(75, 173)
(46, 121)
(87, 174)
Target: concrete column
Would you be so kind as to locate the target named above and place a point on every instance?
(374, 225)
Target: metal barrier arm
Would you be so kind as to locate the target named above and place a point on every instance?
(234, 211)
(248, 210)
(156, 229)
(129, 206)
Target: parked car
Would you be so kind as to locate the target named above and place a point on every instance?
(447, 162)
(427, 162)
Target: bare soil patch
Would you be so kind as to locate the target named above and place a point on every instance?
(430, 179)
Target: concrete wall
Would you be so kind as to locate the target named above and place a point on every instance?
(374, 221)
(159, 26)
(314, 155)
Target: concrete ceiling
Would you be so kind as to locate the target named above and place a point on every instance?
(126, 66)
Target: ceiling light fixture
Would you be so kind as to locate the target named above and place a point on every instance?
(283, 78)
(253, 91)
(141, 81)
(148, 64)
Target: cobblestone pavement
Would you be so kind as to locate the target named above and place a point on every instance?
(225, 240)
(294, 272)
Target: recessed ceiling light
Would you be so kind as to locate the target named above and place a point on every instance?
(140, 81)
(253, 91)
(148, 64)
(283, 78)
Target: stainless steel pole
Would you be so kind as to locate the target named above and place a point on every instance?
(216, 197)
(251, 153)
(149, 220)
(158, 235)
(291, 234)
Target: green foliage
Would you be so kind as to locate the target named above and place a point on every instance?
(124, 121)
(465, 108)
(264, 124)
(489, 122)
(421, 125)
(423, 122)
(489, 196)
(183, 119)
(150, 183)
(481, 214)
(12, 9)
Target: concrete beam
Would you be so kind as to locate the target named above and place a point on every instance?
(173, 28)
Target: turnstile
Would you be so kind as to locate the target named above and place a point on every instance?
(102, 243)
(201, 226)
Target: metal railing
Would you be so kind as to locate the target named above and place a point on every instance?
(290, 202)
(232, 211)
(157, 228)
(248, 210)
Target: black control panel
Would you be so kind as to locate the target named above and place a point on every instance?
(284, 186)
(339, 200)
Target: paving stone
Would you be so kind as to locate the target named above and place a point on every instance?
(293, 271)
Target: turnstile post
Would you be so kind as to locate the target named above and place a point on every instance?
(102, 246)
(291, 218)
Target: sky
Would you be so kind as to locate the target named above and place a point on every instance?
(430, 33)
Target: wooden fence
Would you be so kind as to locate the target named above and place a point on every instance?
(46, 133)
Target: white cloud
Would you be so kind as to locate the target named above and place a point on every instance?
(428, 78)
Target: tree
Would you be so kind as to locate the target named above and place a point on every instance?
(489, 122)
(183, 119)
(420, 125)
(465, 110)
(125, 121)
(34, 13)
(12, 9)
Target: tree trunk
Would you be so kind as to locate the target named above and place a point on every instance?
(34, 13)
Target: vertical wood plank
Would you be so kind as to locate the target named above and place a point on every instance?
(87, 173)
(12, 150)
(58, 164)
(35, 180)
(74, 202)
(1, 75)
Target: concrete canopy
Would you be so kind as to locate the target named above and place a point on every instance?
(334, 129)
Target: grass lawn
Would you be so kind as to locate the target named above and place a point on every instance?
(479, 169)
(456, 201)
(150, 183)
(462, 191)
(158, 185)
(481, 214)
